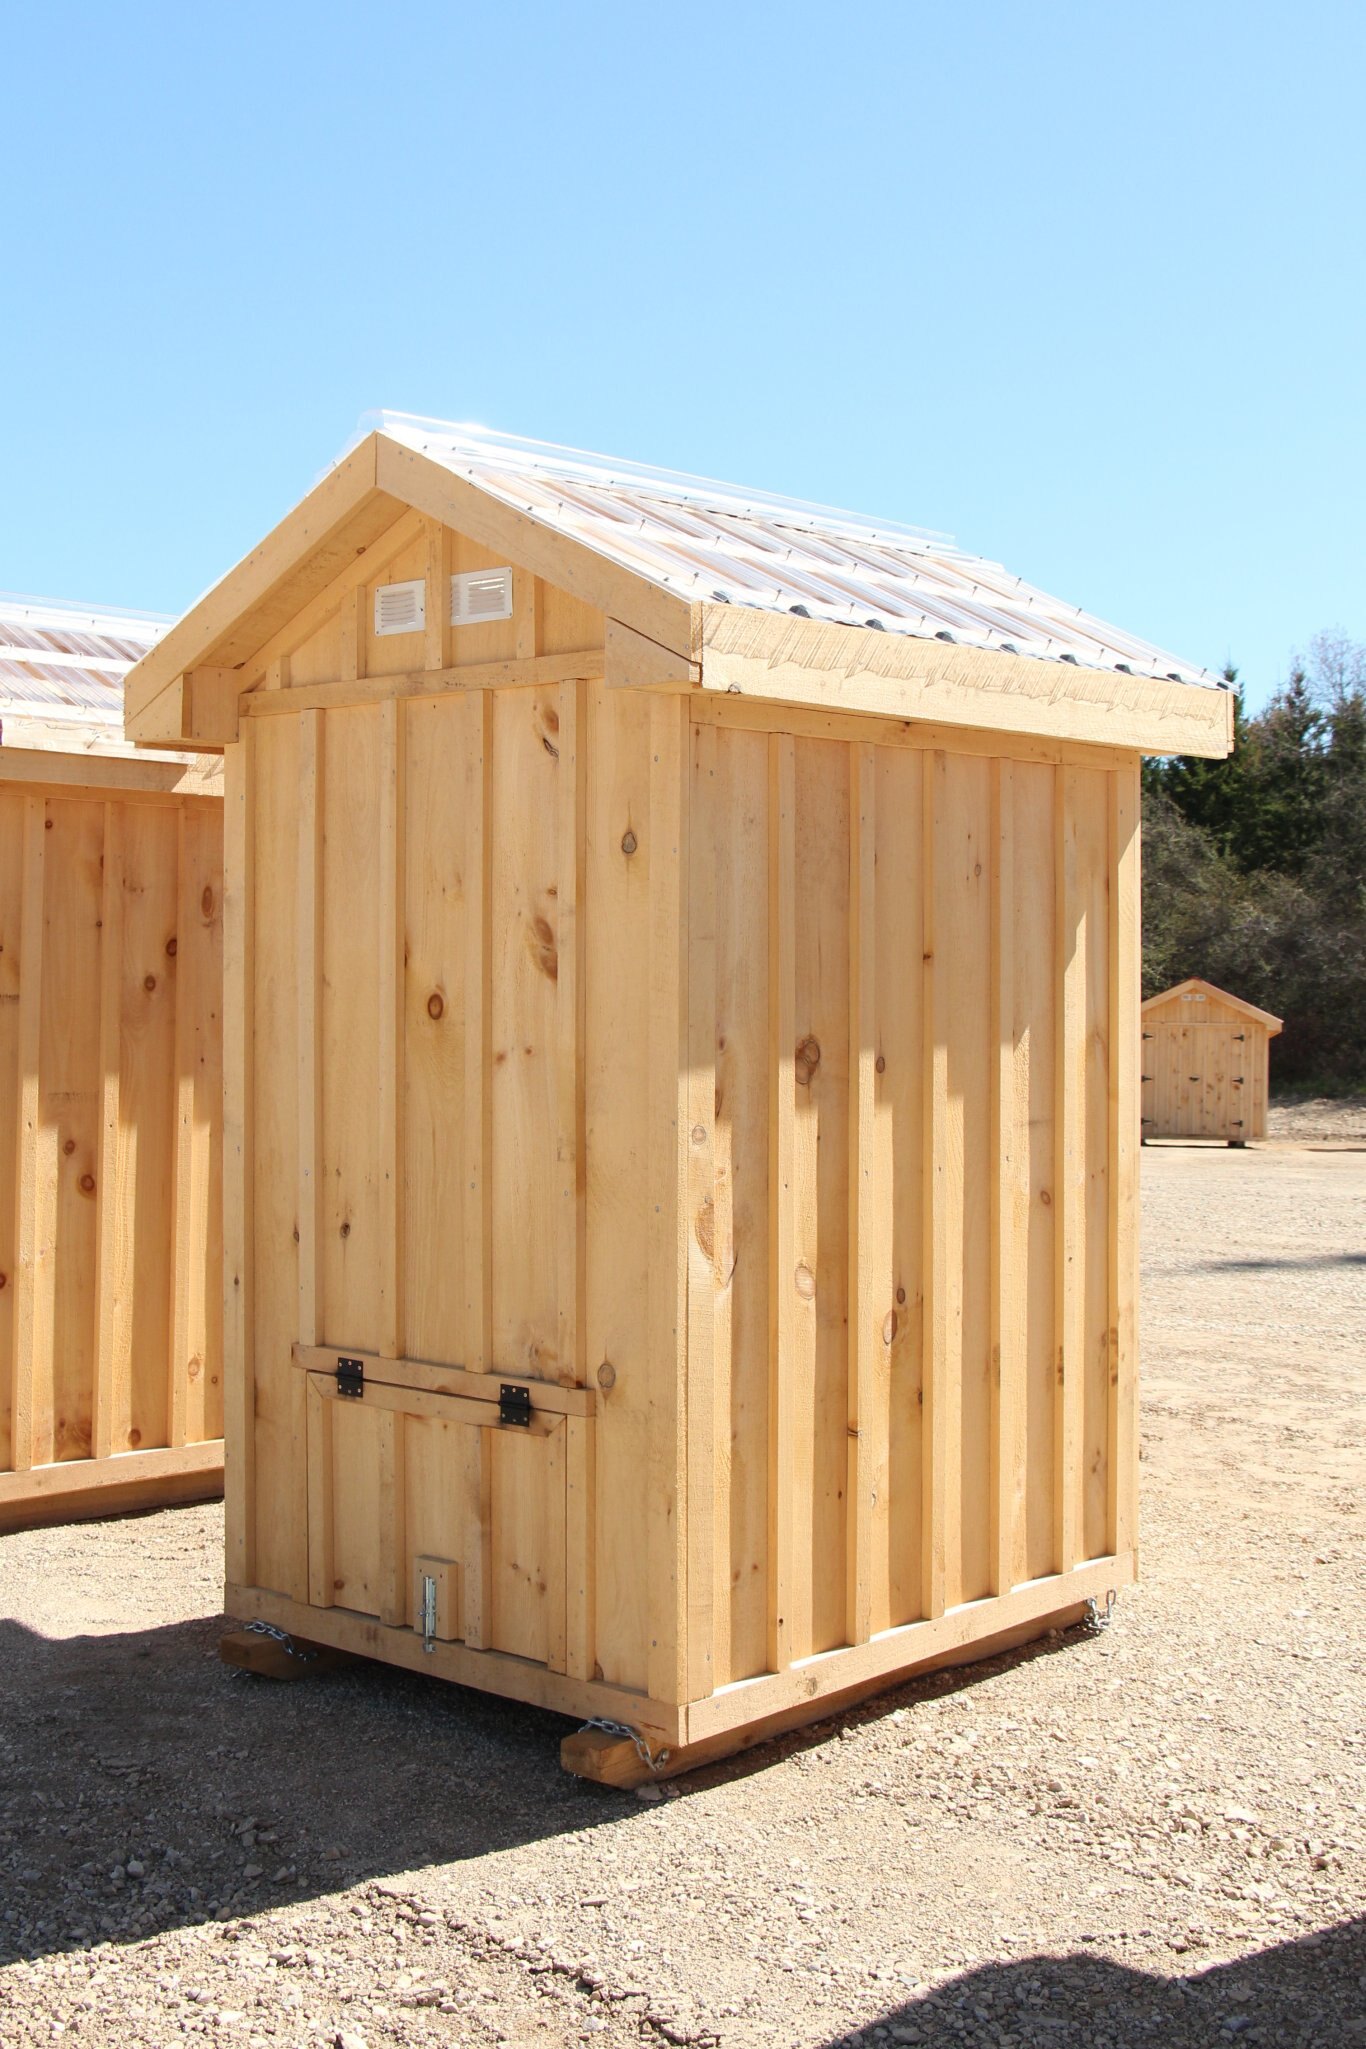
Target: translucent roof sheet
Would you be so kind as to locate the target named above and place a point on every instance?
(63, 662)
(711, 541)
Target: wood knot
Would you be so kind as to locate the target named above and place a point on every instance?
(551, 717)
(86, 1184)
(889, 1327)
(346, 1229)
(206, 902)
(881, 1063)
(195, 1368)
(699, 1134)
(628, 841)
(541, 946)
(607, 1375)
(808, 1059)
(47, 825)
(704, 1228)
(171, 947)
(149, 983)
(134, 1438)
(805, 1282)
(69, 1147)
(1045, 1198)
(435, 1005)
(4, 1280)
(901, 1295)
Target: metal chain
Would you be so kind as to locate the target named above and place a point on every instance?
(281, 1636)
(653, 1762)
(1095, 1621)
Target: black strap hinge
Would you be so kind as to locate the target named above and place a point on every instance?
(514, 1404)
(351, 1378)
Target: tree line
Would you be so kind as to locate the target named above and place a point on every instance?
(1254, 868)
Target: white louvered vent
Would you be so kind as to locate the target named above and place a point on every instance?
(401, 607)
(480, 595)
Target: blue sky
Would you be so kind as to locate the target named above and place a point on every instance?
(1081, 285)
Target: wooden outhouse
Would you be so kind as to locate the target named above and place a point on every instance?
(1205, 1061)
(110, 1085)
(682, 1010)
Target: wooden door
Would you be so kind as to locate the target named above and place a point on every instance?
(1194, 1081)
(430, 1510)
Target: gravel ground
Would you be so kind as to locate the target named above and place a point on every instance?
(1151, 1835)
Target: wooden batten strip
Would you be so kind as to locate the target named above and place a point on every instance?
(392, 838)
(111, 1360)
(1069, 1194)
(580, 1482)
(476, 1540)
(436, 611)
(935, 1286)
(705, 1470)
(391, 1441)
(27, 1337)
(782, 983)
(570, 985)
(1009, 1208)
(310, 968)
(1125, 961)
(238, 1365)
(478, 1120)
(537, 672)
(321, 1490)
(869, 1198)
(554, 1482)
(666, 1535)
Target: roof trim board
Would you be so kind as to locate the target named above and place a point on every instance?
(1238, 1003)
(750, 649)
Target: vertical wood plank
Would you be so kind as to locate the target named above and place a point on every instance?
(27, 1334)
(478, 1070)
(111, 1362)
(783, 1419)
(704, 1467)
(667, 1305)
(571, 1239)
(392, 895)
(309, 985)
(238, 1375)
(1009, 1205)
(436, 637)
(580, 1481)
(935, 1261)
(554, 1481)
(1069, 1193)
(477, 1537)
(869, 1213)
(1125, 960)
(391, 1443)
(321, 1497)
(183, 1218)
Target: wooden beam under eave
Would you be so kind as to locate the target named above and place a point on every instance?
(635, 662)
(768, 655)
(406, 474)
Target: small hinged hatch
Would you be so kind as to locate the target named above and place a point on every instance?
(514, 1404)
(351, 1378)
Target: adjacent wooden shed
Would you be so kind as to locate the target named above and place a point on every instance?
(1205, 1061)
(110, 1085)
(682, 1007)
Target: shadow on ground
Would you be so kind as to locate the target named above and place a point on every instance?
(235, 1794)
(1312, 1991)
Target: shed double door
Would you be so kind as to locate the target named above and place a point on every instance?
(430, 1509)
(1194, 1081)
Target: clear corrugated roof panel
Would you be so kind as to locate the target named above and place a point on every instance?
(707, 540)
(64, 662)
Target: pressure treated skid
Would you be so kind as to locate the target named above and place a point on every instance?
(623, 1005)
(110, 1113)
(1206, 1060)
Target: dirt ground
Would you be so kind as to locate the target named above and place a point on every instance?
(1151, 1835)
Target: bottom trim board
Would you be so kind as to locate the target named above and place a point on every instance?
(77, 1489)
(749, 1711)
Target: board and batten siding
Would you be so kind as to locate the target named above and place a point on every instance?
(111, 1368)
(760, 1089)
